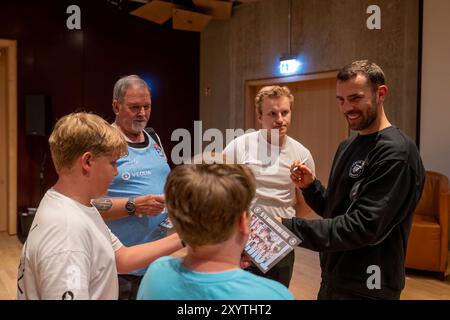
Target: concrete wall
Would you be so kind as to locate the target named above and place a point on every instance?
(326, 35)
(215, 75)
(435, 115)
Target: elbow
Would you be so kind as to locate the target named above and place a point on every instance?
(373, 238)
(121, 260)
(121, 267)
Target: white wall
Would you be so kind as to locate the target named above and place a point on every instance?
(435, 103)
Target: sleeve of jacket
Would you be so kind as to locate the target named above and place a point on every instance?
(316, 194)
(315, 197)
(382, 204)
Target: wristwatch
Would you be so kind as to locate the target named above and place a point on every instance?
(130, 206)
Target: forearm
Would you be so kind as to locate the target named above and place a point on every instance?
(378, 209)
(347, 231)
(301, 208)
(315, 197)
(140, 256)
(111, 208)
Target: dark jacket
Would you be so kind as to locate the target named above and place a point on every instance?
(375, 183)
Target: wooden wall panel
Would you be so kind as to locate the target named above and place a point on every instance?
(78, 68)
(3, 141)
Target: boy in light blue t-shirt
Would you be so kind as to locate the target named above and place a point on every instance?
(208, 205)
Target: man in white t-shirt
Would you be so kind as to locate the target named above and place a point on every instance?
(70, 253)
(270, 153)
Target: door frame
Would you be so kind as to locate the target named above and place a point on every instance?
(250, 92)
(11, 108)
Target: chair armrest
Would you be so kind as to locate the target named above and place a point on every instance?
(443, 209)
(443, 221)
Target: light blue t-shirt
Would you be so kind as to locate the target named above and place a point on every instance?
(167, 279)
(143, 171)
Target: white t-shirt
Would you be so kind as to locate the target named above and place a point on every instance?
(271, 166)
(69, 253)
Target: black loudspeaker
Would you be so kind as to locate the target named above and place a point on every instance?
(38, 115)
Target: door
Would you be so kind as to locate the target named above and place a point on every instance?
(8, 136)
(3, 142)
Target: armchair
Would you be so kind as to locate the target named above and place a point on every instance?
(428, 240)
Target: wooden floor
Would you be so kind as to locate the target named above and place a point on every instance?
(9, 261)
(306, 280)
(304, 285)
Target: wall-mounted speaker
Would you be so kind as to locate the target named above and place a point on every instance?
(38, 115)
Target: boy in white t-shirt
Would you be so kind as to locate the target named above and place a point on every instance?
(70, 253)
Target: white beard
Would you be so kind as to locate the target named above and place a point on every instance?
(138, 126)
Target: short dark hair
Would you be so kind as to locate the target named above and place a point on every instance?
(369, 69)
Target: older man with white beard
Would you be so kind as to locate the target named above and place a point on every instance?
(134, 208)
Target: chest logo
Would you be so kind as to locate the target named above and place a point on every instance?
(159, 150)
(357, 169)
(126, 176)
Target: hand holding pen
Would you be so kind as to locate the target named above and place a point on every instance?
(301, 175)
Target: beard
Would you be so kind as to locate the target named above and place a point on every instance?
(138, 126)
(366, 119)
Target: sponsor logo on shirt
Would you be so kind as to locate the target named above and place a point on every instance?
(130, 162)
(357, 169)
(127, 175)
(159, 150)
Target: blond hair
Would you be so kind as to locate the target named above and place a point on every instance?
(206, 201)
(77, 133)
(273, 92)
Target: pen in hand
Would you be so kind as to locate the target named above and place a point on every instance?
(302, 162)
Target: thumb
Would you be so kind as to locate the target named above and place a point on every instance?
(159, 198)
